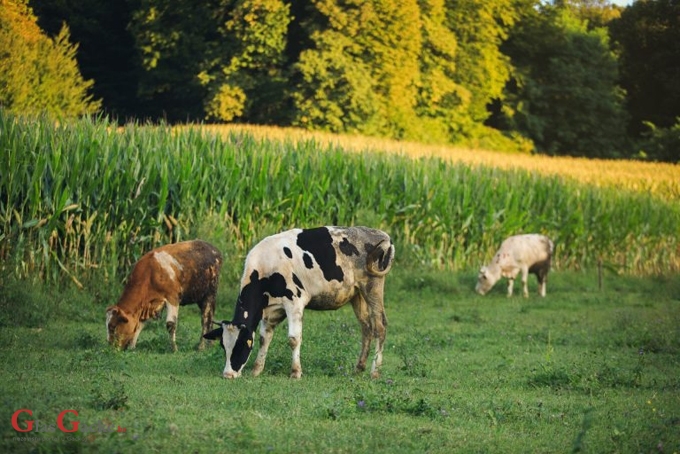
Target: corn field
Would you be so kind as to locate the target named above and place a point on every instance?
(86, 199)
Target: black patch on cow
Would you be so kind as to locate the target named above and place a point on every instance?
(288, 252)
(309, 262)
(540, 269)
(277, 287)
(319, 243)
(386, 259)
(254, 297)
(251, 300)
(215, 334)
(242, 349)
(297, 282)
(348, 248)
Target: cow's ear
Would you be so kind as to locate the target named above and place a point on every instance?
(118, 313)
(214, 334)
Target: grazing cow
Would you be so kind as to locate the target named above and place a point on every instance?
(529, 253)
(319, 269)
(169, 276)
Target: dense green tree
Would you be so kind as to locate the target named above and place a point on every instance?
(661, 144)
(443, 104)
(218, 60)
(249, 78)
(480, 27)
(648, 38)
(176, 40)
(598, 13)
(39, 74)
(564, 95)
(362, 72)
(106, 50)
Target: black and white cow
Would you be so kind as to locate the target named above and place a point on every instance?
(529, 253)
(320, 269)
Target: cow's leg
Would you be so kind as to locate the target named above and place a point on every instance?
(541, 287)
(294, 313)
(207, 314)
(511, 284)
(525, 279)
(361, 311)
(171, 323)
(374, 295)
(269, 322)
(133, 343)
(542, 275)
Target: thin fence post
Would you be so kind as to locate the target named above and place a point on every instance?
(599, 273)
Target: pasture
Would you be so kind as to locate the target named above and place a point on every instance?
(582, 370)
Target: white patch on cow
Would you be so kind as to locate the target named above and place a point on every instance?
(109, 314)
(172, 312)
(245, 314)
(168, 263)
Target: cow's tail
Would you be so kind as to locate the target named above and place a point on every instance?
(379, 260)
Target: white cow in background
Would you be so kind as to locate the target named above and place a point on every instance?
(530, 253)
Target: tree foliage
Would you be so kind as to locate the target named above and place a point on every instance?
(250, 76)
(565, 95)
(480, 28)
(508, 74)
(39, 74)
(362, 72)
(175, 39)
(106, 52)
(648, 36)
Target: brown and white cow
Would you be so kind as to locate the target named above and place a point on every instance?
(530, 253)
(319, 269)
(169, 276)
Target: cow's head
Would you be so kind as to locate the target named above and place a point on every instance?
(237, 342)
(121, 329)
(485, 280)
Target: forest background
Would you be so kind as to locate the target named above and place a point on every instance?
(580, 78)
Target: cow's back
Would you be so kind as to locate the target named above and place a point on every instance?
(199, 270)
(524, 249)
(325, 262)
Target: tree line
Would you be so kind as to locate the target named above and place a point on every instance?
(567, 77)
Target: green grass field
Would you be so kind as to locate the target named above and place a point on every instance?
(582, 370)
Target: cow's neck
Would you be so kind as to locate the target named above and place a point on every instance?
(249, 313)
(142, 306)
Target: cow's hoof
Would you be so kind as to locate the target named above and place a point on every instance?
(296, 374)
(230, 375)
(375, 374)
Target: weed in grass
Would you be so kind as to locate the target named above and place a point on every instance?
(109, 394)
(579, 442)
(86, 341)
(387, 399)
(413, 358)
